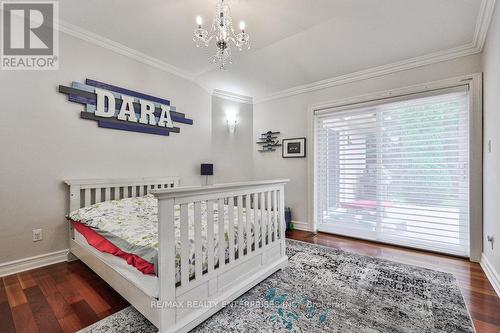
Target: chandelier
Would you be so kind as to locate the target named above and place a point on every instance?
(223, 32)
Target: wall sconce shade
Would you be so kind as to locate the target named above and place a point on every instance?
(231, 119)
(207, 170)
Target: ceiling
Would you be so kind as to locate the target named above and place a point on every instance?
(294, 42)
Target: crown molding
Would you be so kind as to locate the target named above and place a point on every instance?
(476, 46)
(232, 96)
(119, 48)
(483, 23)
(374, 72)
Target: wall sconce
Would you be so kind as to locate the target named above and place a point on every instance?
(231, 120)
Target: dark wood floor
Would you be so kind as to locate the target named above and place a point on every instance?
(68, 296)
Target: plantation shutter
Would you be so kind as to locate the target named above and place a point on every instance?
(396, 171)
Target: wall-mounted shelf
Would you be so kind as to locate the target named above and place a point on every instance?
(269, 141)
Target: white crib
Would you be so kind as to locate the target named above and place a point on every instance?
(182, 306)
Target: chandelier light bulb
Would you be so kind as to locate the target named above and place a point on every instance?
(242, 26)
(199, 20)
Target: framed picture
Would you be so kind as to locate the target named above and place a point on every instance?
(295, 147)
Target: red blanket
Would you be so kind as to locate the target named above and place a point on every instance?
(103, 245)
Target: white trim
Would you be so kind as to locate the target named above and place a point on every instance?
(476, 118)
(232, 96)
(374, 72)
(483, 23)
(119, 48)
(298, 225)
(476, 46)
(21, 265)
(491, 274)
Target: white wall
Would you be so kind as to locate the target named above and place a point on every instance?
(232, 152)
(44, 141)
(289, 115)
(491, 162)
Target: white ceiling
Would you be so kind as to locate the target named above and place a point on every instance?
(294, 42)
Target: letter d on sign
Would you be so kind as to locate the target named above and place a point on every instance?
(101, 110)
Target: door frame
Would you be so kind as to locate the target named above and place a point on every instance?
(475, 83)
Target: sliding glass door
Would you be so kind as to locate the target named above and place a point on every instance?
(396, 171)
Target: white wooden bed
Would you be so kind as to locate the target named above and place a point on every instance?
(181, 307)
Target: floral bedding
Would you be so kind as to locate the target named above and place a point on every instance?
(131, 224)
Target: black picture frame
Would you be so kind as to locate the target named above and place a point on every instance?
(293, 148)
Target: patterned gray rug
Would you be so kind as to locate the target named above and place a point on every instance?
(324, 289)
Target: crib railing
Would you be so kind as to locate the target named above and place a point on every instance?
(245, 219)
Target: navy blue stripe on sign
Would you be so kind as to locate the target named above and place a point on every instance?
(120, 90)
(132, 128)
(91, 116)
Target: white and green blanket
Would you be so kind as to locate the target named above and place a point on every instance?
(132, 225)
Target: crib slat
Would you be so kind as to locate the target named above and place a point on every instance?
(134, 191)
(256, 220)
(107, 194)
(197, 240)
(239, 203)
(97, 195)
(248, 223)
(262, 217)
(86, 198)
(281, 215)
(117, 193)
(210, 235)
(184, 229)
(275, 215)
(141, 190)
(230, 210)
(268, 217)
(222, 240)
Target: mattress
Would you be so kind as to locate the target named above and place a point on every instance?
(130, 226)
(145, 282)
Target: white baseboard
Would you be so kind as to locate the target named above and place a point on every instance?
(304, 226)
(491, 274)
(21, 265)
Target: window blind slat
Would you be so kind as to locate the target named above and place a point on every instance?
(396, 171)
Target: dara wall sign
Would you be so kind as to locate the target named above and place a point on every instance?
(123, 109)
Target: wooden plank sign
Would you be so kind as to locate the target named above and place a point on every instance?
(123, 109)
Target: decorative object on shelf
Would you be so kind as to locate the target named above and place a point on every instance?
(223, 32)
(207, 170)
(269, 141)
(123, 109)
(294, 147)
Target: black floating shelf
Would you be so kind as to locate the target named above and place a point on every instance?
(269, 141)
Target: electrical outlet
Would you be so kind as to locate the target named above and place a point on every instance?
(37, 235)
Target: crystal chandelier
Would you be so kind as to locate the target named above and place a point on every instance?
(223, 33)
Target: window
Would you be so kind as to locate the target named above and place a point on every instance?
(396, 171)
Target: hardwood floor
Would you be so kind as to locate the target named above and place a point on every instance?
(65, 297)
(69, 296)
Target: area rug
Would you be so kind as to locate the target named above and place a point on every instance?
(328, 290)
